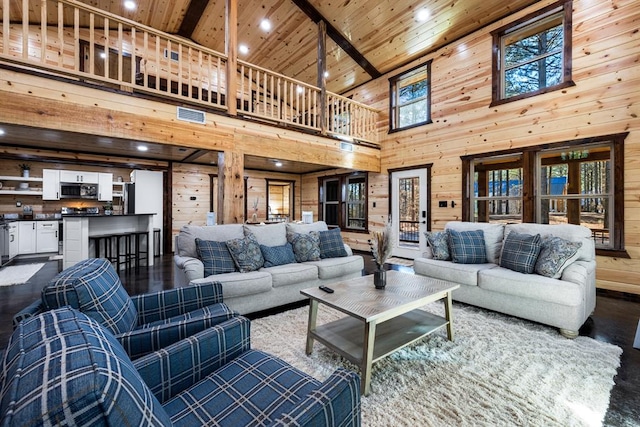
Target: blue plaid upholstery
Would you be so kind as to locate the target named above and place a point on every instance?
(520, 252)
(63, 368)
(162, 318)
(215, 257)
(93, 287)
(467, 247)
(277, 255)
(331, 244)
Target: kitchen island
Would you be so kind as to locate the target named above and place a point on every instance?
(78, 230)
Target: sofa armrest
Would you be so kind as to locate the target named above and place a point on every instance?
(335, 403)
(174, 302)
(193, 268)
(175, 368)
(580, 272)
(31, 310)
(348, 249)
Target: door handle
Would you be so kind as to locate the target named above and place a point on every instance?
(423, 222)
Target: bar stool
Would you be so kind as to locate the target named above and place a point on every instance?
(156, 242)
(138, 239)
(99, 241)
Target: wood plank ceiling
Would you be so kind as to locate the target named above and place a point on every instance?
(365, 38)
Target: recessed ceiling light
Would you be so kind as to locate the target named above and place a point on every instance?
(299, 89)
(326, 74)
(103, 55)
(129, 5)
(278, 164)
(265, 24)
(142, 148)
(422, 15)
(1, 132)
(243, 49)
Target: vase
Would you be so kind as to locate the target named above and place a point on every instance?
(254, 217)
(380, 278)
(25, 173)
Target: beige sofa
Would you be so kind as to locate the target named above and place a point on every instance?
(565, 302)
(268, 287)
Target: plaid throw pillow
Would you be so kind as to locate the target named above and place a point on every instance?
(246, 253)
(520, 252)
(277, 255)
(438, 241)
(467, 247)
(331, 245)
(215, 256)
(306, 247)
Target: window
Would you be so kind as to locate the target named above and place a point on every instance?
(575, 182)
(410, 98)
(343, 201)
(533, 55)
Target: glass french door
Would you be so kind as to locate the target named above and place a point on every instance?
(409, 212)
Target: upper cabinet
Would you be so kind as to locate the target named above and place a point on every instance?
(82, 177)
(105, 187)
(50, 184)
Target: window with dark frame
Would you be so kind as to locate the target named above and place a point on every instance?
(343, 201)
(533, 55)
(575, 182)
(410, 98)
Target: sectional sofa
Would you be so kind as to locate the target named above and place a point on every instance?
(294, 257)
(560, 291)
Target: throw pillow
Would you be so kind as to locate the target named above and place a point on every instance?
(520, 252)
(331, 245)
(306, 247)
(556, 254)
(215, 256)
(438, 241)
(467, 247)
(277, 255)
(246, 253)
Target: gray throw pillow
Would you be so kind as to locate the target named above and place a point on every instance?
(438, 241)
(246, 253)
(520, 252)
(306, 247)
(556, 254)
(467, 247)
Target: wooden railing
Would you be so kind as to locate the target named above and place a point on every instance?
(82, 42)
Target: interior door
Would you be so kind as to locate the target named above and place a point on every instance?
(409, 212)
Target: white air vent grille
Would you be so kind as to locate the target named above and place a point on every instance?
(189, 115)
(345, 146)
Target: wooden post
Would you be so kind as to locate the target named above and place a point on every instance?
(573, 187)
(231, 50)
(322, 80)
(483, 191)
(230, 187)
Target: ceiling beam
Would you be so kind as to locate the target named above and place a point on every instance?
(337, 37)
(194, 156)
(192, 17)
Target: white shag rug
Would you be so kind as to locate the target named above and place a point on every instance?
(400, 261)
(18, 274)
(499, 371)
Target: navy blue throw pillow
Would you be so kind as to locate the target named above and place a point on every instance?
(331, 244)
(520, 252)
(215, 256)
(467, 247)
(278, 255)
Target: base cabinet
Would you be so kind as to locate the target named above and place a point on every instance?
(37, 237)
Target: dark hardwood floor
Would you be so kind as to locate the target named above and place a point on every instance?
(614, 321)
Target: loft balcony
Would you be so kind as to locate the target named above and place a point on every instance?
(84, 43)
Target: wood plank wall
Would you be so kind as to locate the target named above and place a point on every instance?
(605, 100)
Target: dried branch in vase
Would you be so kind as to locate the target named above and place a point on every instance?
(381, 244)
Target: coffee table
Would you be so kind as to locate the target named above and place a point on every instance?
(378, 321)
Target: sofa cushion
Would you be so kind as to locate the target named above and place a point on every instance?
(465, 274)
(277, 255)
(493, 236)
(268, 234)
(242, 284)
(467, 247)
(62, 365)
(306, 247)
(331, 244)
(186, 238)
(438, 242)
(215, 257)
(556, 254)
(290, 274)
(306, 228)
(520, 252)
(246, 253)
(93, 287)
(332, 268)
(531, 286)
(252, 389)
(571, 232)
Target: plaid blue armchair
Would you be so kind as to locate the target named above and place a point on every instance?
(142, 323)
(63, 368)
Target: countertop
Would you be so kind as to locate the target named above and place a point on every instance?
(102, 215)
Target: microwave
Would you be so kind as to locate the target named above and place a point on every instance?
(74, 190)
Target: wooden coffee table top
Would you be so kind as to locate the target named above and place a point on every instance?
(360, 299)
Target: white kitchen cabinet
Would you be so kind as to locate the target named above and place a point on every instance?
(13, 239)
(76, 176)
(26, 237)
(46, 236)
(50, 184)
(105, 187)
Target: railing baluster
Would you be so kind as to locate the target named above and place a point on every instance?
(5, 27)
(25, 29)
(106, 49)
(43, 29)
(91, 44)
(120, 51)
(61, 35)
(76, 38)
(134, 62)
